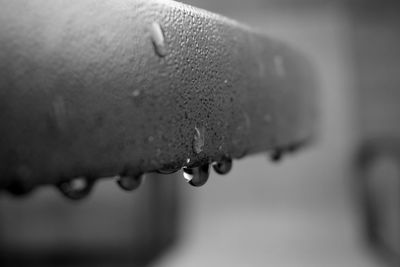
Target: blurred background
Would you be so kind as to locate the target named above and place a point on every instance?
(335, 203)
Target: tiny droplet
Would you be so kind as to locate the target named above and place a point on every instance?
(136, 93)
(130, 183)
(197, 176)
(223, 166)
(157, 37)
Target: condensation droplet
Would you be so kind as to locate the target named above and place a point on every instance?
(158, 39)
(198, 139)
(136, 93)
(223, 166)
(279, 66)
(197, 176)
(226, 81)
(77, 188)
(130, 183)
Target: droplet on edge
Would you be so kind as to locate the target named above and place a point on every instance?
(158, 39)
(136, 93)
(276, 155)
(130, 183)
(198, 139)
(223, 166)
(76, 189)
(197, 176)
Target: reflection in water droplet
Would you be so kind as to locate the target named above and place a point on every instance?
(223, 166)
(198, 139)
(157, 37)
(76, 189)
(130, 183)
(279, 67)
(197, 176)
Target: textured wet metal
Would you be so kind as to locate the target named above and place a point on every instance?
(86, 89)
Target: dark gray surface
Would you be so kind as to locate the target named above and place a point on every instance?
(90, 88)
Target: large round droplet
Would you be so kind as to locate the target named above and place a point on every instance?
(130, 183)
(223, 166)
(76, 189)
(157, 37)
(197, 176)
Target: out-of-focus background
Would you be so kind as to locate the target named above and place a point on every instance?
(313, 208)
(304, 211)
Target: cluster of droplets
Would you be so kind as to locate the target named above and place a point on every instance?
(81, 187)
(278, 153)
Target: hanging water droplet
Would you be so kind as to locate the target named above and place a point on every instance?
(76, 189)
(198, 139)
(21, 183)
(158, 39)
(223, 166)
(276, 155)
(130, 183)
(197, 176)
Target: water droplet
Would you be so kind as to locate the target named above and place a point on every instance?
(188, 160)
(77, 188)
(197, 176)
(136, 93)
(223, 166)
(198, 139)
(60, 113)
(279, 66)
(276, 155)
(130, 183)
(226, 81)
(157, 37)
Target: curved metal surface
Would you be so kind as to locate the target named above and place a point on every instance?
(97, 88)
